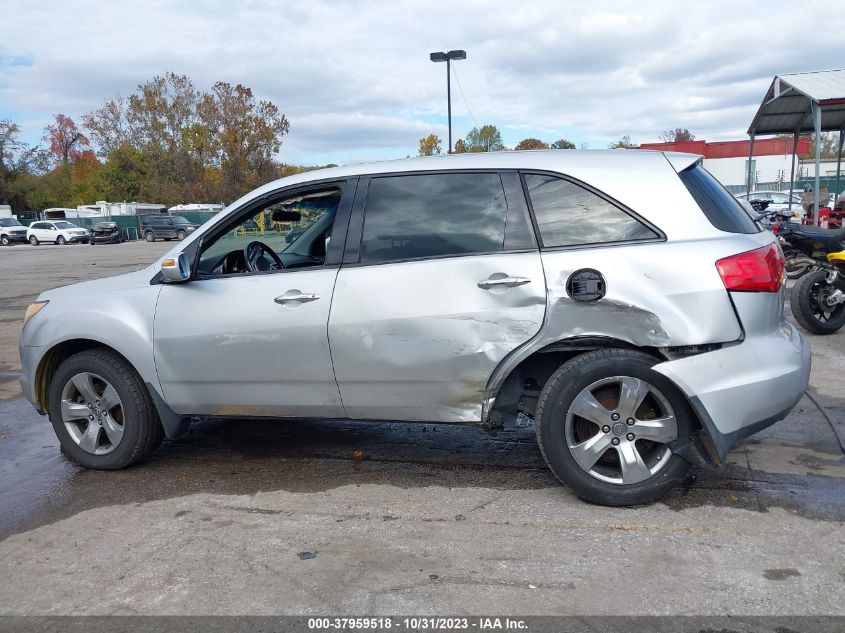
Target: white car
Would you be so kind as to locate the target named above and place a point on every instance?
(59, 231)
(778, 200)
(11, 231)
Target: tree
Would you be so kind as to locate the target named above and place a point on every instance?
(108, 125)
(531, 143)
(430, 145)
(460, 146)
(678, 135)
(486, 139)
(829, 145)
(64, 138)
(623, 143)
(563, 144)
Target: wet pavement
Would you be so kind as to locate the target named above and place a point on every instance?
(325, 516)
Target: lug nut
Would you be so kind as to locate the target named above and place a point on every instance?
(630, 421)
(90, 406)
(630, 437)
(605, 428)
(615, 441)
(614, 417)
(90, 417)
(98, 403)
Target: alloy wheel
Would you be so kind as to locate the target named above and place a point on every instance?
(92, 413)
(618, 430)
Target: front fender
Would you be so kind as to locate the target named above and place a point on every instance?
(121, 320)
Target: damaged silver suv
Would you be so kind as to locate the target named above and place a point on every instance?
(623, 300)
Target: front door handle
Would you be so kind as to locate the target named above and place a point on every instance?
(494, 281)
(292, 296)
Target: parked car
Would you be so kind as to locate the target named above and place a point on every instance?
(105, 233)
(167, 227)
(59, 231)
(11, 231)
(623, 300)
(778, 200)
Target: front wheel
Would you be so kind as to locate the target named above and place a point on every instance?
(605, 423)
(4, 239)
(181, 235)
(812, 306)
(101, 411)
(61, 241)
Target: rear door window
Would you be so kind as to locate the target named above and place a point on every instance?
(568, 214)
(721, 208)
(433, 215)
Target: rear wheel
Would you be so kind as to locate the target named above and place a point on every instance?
(61, 241)
(150, 236)
(809, 301)
(33, 240)
(102, 412)
(605, 422)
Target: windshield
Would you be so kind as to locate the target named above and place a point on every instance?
(64, 225)
(9, 222)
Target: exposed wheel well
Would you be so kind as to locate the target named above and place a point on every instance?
(53, 358)
(521, 389)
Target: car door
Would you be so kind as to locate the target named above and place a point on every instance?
(441, 279)
(49, 233)
(251, 344)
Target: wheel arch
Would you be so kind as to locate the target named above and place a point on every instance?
(529, 371)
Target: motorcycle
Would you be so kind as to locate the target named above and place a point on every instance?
(817, 299)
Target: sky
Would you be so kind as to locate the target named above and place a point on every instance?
(356, 83)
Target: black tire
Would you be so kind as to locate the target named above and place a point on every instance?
(804, 303)
(181, 235)
(142, 429)
(4, 239)
(61, 241)
(33, 240)
(150, 236)
(557, 396)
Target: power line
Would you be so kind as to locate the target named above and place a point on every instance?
(463, 96)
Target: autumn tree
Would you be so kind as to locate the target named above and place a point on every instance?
(563, 144)
(531, 143)
(430, 145)
(624, 142)
(460, 146)
(109, 126)
(484, 139)
(678, 135)
(64, 138)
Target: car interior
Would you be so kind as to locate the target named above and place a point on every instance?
(290, 233)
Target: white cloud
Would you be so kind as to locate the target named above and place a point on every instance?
(355, 80)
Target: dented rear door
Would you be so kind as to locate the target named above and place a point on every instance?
(417, 338)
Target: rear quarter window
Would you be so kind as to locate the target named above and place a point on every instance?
(570, 215)
(718, 205)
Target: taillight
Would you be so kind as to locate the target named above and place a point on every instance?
(760, 270)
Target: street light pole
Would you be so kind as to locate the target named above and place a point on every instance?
(448, 57)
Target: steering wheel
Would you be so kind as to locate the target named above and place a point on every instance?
(259, 258)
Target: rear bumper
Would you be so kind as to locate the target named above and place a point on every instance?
(739, 390)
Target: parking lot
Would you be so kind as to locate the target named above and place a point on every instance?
(300, 517)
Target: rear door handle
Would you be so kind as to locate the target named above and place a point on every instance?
(510, 282)
(296, 296)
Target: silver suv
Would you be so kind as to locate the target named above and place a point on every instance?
(623, 300)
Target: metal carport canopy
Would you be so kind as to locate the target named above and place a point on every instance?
(802, 102)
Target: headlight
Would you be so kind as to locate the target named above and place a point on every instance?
(32, 310)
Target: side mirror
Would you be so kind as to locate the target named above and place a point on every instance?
(176, 269)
